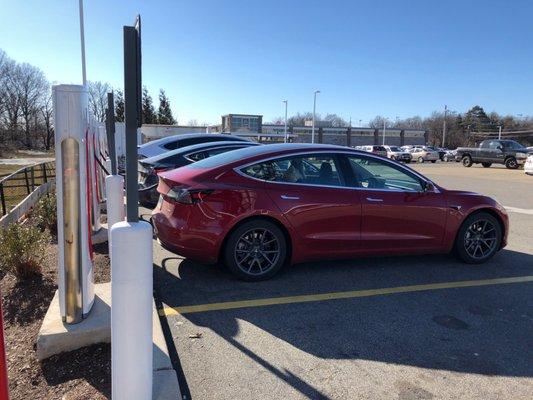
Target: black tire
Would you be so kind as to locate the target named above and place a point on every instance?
(420, 159)
(511, 163)
(246, 233)
(467, 161)
(463, 242)
(486, 164)
(433, 161)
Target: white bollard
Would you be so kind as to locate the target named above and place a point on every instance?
(131, 311)
(114, 187)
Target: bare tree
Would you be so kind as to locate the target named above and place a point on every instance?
(98, 98)
(335, 121)
(33, 88)
(47, 133)
(193, 122)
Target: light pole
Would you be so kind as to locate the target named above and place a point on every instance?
(314, 112)
(360, 123)
(285, 130)
(384, 129)
(82, 39)
(499, 132)
(444, 126)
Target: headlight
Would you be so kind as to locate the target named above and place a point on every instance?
(521, 155)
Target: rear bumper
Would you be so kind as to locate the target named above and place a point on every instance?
(179, 236)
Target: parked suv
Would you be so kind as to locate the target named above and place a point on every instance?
(396, 153)
(493, 151)
(379, 150)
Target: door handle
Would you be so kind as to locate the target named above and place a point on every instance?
(286, 197)
(374, 200)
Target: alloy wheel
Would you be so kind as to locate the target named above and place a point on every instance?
(257, 251)
(480, 239)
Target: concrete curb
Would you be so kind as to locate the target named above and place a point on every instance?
(55, 337)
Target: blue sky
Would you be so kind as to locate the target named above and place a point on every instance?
(393, 58)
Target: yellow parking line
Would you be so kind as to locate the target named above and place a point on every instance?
(337, 295)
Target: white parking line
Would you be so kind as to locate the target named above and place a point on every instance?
(519, 210)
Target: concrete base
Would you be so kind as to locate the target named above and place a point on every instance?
(56, 337)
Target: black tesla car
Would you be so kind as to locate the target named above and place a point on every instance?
(150, 167)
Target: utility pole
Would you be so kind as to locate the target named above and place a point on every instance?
(499, 132)
(285, 131)
(314, 112)
(384, 129)
(82, 37)
(444, 125)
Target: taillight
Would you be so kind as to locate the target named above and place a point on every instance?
(188, 196)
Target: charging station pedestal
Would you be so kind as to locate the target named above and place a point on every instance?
(74, 201)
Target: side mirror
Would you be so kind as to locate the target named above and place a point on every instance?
(429, 187)
(500, 148)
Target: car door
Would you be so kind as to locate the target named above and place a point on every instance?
(398, 214)
(310, 192)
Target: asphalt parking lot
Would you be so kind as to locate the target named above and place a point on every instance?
(424, 327)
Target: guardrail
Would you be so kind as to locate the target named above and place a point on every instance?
(16, 186)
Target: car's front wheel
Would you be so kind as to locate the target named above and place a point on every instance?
(486, 164)
(256, 250)
(420, 159)
(479, 238)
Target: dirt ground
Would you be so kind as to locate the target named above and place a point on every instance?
(80, 374)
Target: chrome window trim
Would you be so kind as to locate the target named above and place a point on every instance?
(368, 155)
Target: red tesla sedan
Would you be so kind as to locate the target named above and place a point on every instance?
(258, 208)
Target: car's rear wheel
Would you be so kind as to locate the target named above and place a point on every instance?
(433, 161)
(256, 250)
(479, 238)
(486, 164)
(511, 163)
(467, 161)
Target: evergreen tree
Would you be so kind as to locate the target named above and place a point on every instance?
(478, 120)
(164, 113)
(119, 106)
(148, 112)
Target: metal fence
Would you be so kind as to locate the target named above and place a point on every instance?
(16, 186)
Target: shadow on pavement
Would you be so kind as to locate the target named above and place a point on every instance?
(480, 330)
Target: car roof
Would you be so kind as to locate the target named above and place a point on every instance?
(183, 136)
(250, 154)
(198, 147)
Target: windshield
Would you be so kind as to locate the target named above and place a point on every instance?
(395, 148)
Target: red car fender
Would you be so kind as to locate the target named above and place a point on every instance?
(459, 212)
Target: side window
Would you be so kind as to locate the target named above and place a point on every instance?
(214, 152)
(200, 155)
(318, 169)
(376, 174)
(171, 145)
(494, 145)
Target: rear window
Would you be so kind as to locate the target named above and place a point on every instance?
(226, 158)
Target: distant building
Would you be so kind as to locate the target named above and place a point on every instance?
(242, 123)
(318, 124)
(252, 127)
